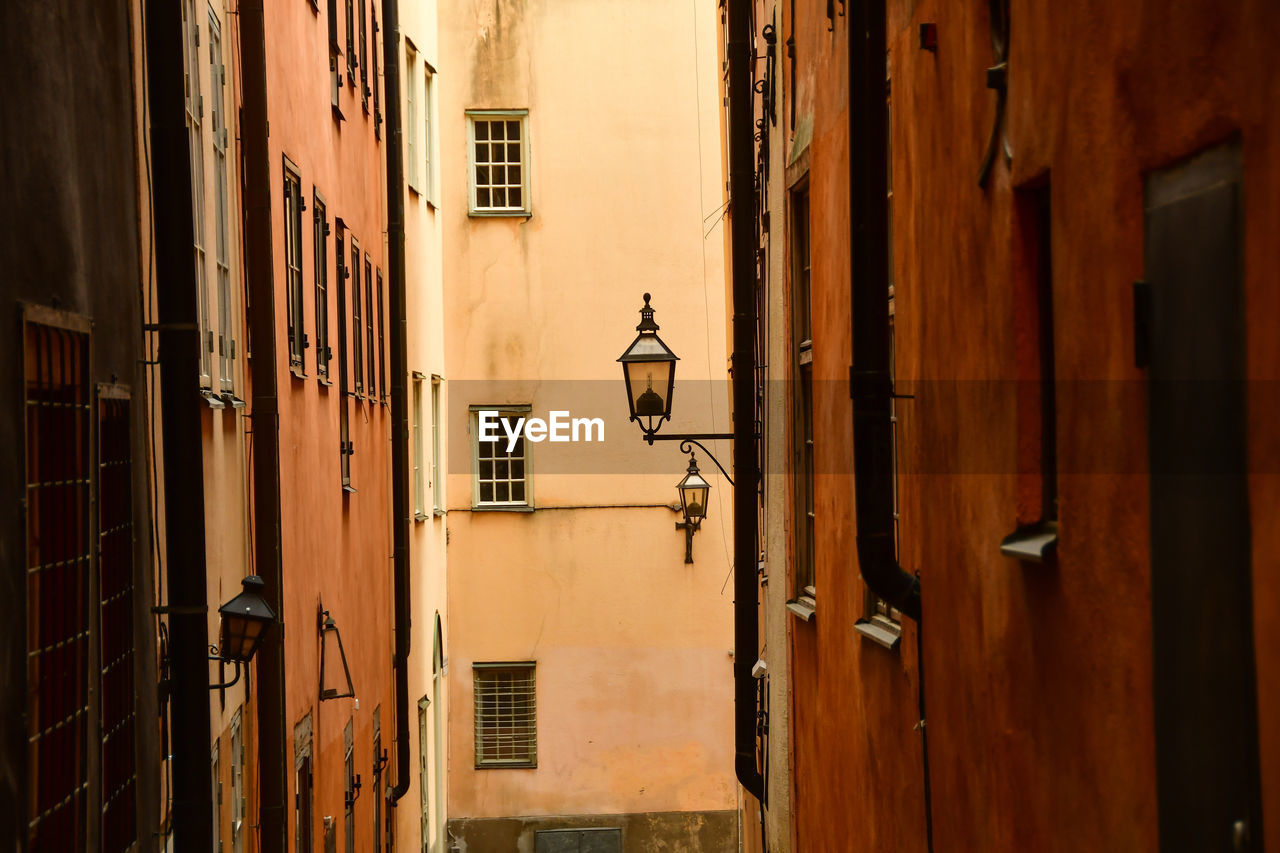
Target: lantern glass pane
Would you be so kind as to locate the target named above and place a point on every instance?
(650, 382)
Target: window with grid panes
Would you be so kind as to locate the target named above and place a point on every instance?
(498, 153)
(371, 381)
(506, 715)
(373, 74)
(364, 54)
(195, 137)
(320, 270)
(411, 143)
(419, 488)
(357, 328)
(335, 51)
(351, 43)
(222, 225)
(803, 504)
(428, 131)
(344, 412)
(502, 474)
(382, 344)
(437, 484)
(293, 264)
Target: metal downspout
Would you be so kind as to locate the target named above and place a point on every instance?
(399, 390)
(746, 641)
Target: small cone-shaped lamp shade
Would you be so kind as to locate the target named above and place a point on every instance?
(649, 368)
(245, 620)
(335, 675)
(693, 493)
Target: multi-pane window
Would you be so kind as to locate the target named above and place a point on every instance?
(437, 483)
(419, 486)
(428, 132)
(364, 54)
(411, 143)
(293, 263)
(502, 464)
(357, 327)
(58, 410)
(424, 803)
(222, 215)
(237, 784)
(349, 790)
(320, 269)
(377, 99)
(117, 697)
(372, 367)
(303, 803)
(351, 43)
(335, 51)
(802, 401)
(344, 416)
(498, 147)
(506, 715)
(379, 762)
(195, 138)
(382, 345)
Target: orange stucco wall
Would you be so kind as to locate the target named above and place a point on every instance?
(1038, 679)
(336, 547)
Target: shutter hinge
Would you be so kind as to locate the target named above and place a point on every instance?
(1141, 324)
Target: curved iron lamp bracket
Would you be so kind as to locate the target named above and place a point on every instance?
(687, 439)
(214, 654)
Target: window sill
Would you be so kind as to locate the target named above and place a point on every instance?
(349, 489)
(511, 766)
(212, 399)
(297, 372)
(501, 508)
(232, 400)
(420, 517)
(500, 214)
(803, 607)
(439, 513)
(337, 114)
(324, 383)
(1032, 543)
(881, 631)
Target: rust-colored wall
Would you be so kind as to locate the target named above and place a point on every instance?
(336, 547)
(1039, 678)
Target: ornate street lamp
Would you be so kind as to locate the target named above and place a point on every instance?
(245, 620)
(331, 649)
(649, 368)
(693, 491)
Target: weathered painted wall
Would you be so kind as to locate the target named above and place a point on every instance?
(1039, 678)
(336, 545)
(632, 646)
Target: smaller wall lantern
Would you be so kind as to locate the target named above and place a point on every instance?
(649, 368)
(245, 620)
(694, 490)
(334, 684)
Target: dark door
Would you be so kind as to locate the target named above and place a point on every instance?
(1201, 589)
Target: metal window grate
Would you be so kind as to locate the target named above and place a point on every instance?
(506, 715)
(115, 582)
(500, 475)
(58, 463)
(499, 167)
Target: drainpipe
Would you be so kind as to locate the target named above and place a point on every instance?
(399, 390)
(746, 641)
(273, 758)
(870, 383)
(179, 354)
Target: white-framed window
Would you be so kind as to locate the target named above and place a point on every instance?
(222, 204)
(419, 462)
(501, 466)
(195, 138)
(498, 159)
(237, 784)
(424, 773)
(437, 480)
(412, 146)
(428, 133)
(506, 714)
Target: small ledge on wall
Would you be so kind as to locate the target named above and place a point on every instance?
(805, 607)
(1032, 543)
(881, 631)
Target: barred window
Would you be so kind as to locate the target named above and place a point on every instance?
(499, 173)
(506, 715)
(502, 466)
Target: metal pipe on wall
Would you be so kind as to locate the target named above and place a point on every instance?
(399, 390)
(179, 347)
(746, 639)
(273, 758)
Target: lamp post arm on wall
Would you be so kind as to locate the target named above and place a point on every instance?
(690, 438)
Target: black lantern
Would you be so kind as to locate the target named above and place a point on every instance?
(693, 494)
(333, 685)
(693, 490)
(649, 368)
(245, 620)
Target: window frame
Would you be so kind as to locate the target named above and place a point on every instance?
(488, 669)
(411, 144)
(473, 209)
(220, 139)
(357, 330)
(291, 189)
(419, 466)
(371, 366)
(303, 771)
(194, 101)
(430, 192)
(803, 497)
(437, 482)
(320, 284)
(503, 411)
